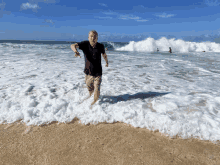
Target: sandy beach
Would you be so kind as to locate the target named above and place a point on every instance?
(117, 143)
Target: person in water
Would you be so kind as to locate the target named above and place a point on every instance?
(170, 50)
(157, 50)
(93, 69)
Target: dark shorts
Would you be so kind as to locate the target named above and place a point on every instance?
(92, 82)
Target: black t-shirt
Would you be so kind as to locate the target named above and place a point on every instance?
(92, 57)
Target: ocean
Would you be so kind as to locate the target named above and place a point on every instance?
(176, 93)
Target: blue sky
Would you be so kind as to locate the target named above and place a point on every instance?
(114, 20)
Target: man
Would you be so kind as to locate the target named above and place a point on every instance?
(93, 69)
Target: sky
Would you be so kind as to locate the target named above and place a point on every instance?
(119, 21)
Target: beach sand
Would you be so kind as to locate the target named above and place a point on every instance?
(102, 144)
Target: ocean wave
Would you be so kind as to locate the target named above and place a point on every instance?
(163, 44)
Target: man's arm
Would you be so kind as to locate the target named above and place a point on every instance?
(73, 47)
(106, 59)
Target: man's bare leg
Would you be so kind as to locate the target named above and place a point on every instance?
(90, 86)
(97, 84)
(90, 94)
(96, 96)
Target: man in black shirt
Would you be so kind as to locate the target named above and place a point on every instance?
(93, 69)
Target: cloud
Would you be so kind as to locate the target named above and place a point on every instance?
(110, 13)
(33, 4)
(103, 17)
(102, 4)
(44, 1)
(212, 2)
(2, 5)
(126, 16)
(132, 17)
(48, 21)
(27, 5)
(2, 11)
(164, 15)
(129, 17)
(139, 9)
(142, 20)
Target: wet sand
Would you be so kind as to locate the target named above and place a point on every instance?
(102, 144)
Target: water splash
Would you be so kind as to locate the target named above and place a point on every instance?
(163, 44)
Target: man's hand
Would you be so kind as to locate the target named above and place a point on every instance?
(73, 47)
(106, 59)
(77, 54)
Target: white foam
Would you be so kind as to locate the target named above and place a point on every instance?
(163, 44)
(174, 94)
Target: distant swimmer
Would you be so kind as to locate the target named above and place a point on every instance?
(93, 68)
(203, 51)
(157, 50)
(170, 50)
(106, 48)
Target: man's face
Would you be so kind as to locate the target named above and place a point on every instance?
(93, 38)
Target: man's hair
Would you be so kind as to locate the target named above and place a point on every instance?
(95, 32)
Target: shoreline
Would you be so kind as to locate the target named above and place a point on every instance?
(104, 143)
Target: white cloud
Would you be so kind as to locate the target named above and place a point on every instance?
(142, 20)
(48, 21)
(2, 5)
(212, 2)
(27, 5)
(110, 13)
(33, 4)
(132, 17)
(102, 4)
(129, 17)
(164, 15)
(126, 16)
(123, 17)
(103, 17)
(2, 11)
(45, 1)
